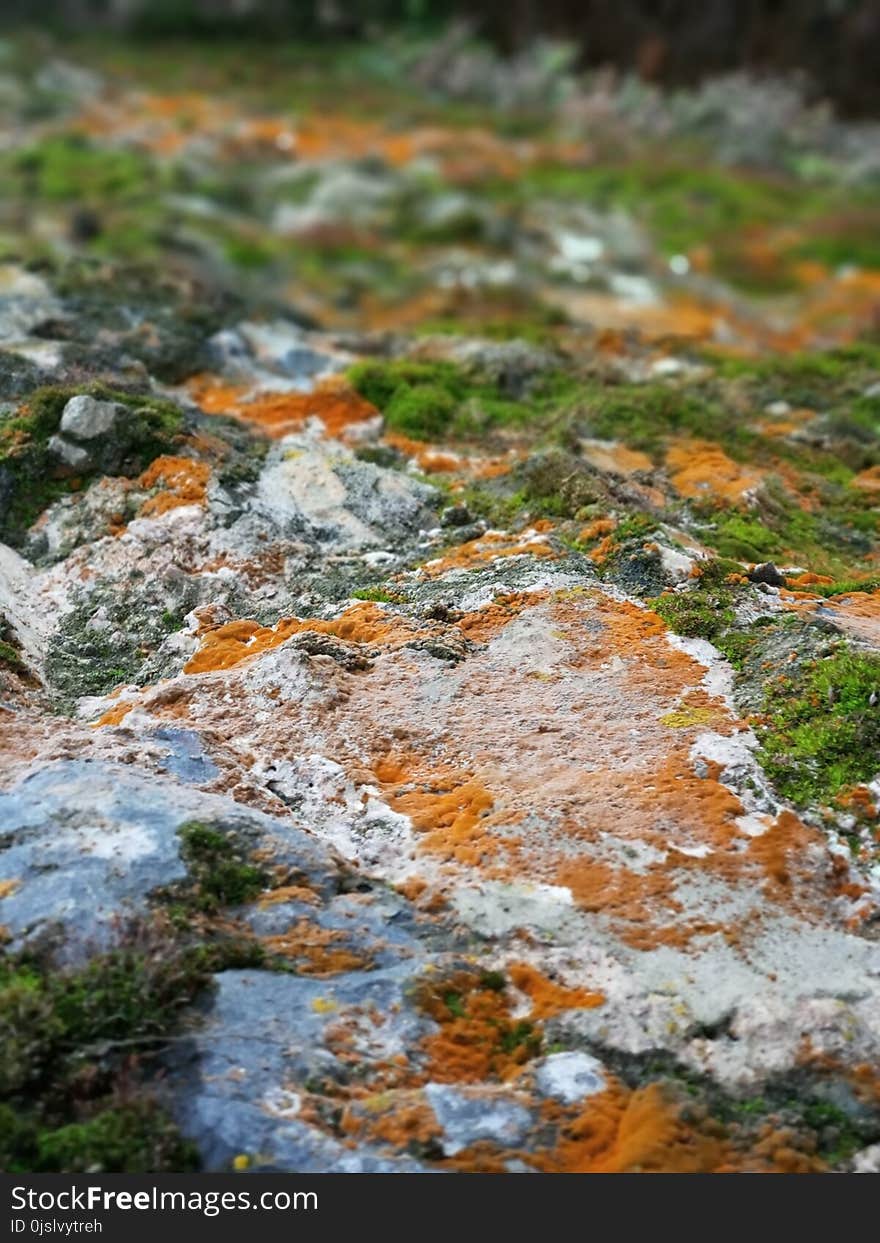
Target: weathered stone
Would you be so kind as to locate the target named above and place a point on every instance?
(86, 418)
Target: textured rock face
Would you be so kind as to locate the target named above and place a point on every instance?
(445, 753)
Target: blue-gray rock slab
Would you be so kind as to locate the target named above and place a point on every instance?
(83, 845)
(235, 1083)
(379, 925)
(185, 757)
(468, 1115)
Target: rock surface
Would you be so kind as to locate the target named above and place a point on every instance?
(468, 747)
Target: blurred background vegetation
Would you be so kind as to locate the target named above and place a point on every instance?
(834, 44)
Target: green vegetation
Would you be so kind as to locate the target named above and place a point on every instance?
(67, 1036)
(379, 595)
(687, 205)
(698, 613)
(822, 731)
(9, 656)
(68, 168)
(135, 1138)
(430, 400)
(219, 873)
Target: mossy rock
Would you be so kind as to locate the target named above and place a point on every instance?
(31, 476)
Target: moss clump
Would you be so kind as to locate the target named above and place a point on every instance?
(698, 613)
(423, 411)
(822, 730)
(68, 1038)
(644, 416)
(9, 656)
(745, 538)
(31, 477)
(846, 586)
(379, 595)
(68, 168)
(136, 1138)
(219, 872)
(430, 400)
(557, 483)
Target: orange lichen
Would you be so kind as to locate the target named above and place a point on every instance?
(185, 481)
(488, 547)
(476, 1038)
(700, 469)
(436, 461)
(278, 414)
(596, 529)
(113, 715)
(288, 893)
(315, 950)
(447, 808)
(620, 1132)
(225, 646)
(484, 623)
(867, 480)
(547, 997)
(400, 1118)
(615, 459)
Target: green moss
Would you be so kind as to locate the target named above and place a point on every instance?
(744, 538)
(846, 586)
(455, 1004)
(424, 411)
(428, 401)
(9, 656)
(522, 1035)
(696, 613)
(683, 204)
(66, 1037)
(220, 874)
(68, 168)
(379, 595)
(645, 416)
(822, 733)
(131, 1139)
(557, 484)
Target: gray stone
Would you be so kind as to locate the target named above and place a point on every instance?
(469, 1116)
(236, 1084)
(85, 844)
(86, 418)
(72, 455)
(569, 1077)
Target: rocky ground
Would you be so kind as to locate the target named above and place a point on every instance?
(439, 622)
